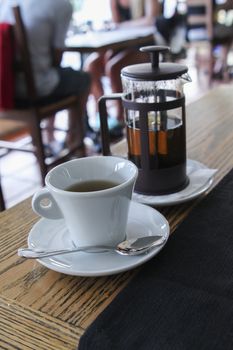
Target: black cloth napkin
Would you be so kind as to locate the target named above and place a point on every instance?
(183, 298)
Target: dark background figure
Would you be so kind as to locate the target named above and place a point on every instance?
(125, 14)
(46, 25)
(171, 26)
(218, 31)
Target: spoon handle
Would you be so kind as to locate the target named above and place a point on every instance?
(133, 246)
(35, 253)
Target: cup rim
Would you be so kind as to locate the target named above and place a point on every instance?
(92, 193)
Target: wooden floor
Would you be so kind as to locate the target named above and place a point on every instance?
(20, 173)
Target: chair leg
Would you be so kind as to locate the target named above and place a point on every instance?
(225, 52)
(211, 62)
(2, 202)
(36, 133)
(225, 48)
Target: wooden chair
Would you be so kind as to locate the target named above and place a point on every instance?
(202, 27)
(36, 110)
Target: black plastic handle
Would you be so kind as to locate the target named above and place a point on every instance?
(104, 121)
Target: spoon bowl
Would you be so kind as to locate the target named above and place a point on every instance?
(132, 246)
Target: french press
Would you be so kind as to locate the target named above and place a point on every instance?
(154, 108)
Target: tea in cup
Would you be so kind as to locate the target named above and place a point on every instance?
(92, 195)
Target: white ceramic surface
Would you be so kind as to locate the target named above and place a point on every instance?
(92, 218)
(142, 221)
(200, 180)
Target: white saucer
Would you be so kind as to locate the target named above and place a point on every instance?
(200, 180)
(142, 221)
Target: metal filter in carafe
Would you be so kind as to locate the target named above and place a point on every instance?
(154, 107)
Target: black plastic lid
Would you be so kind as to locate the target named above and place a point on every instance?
(154, 70)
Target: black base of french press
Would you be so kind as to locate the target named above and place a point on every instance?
(162, 181)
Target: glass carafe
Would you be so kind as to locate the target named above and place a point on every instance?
(154, 107)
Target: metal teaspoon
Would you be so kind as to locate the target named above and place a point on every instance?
(133, 246)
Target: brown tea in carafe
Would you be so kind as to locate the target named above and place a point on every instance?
(166, 145)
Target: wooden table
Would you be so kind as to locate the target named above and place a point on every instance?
(43, 309)
(115, 39)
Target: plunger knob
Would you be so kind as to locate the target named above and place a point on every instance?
(154, 52)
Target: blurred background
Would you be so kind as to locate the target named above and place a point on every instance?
(19, 171)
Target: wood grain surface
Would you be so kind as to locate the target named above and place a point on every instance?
(43, 309)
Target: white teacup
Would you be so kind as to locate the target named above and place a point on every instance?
(96, 217)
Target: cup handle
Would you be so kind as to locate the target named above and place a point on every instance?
(104, 120)
(44, 205)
